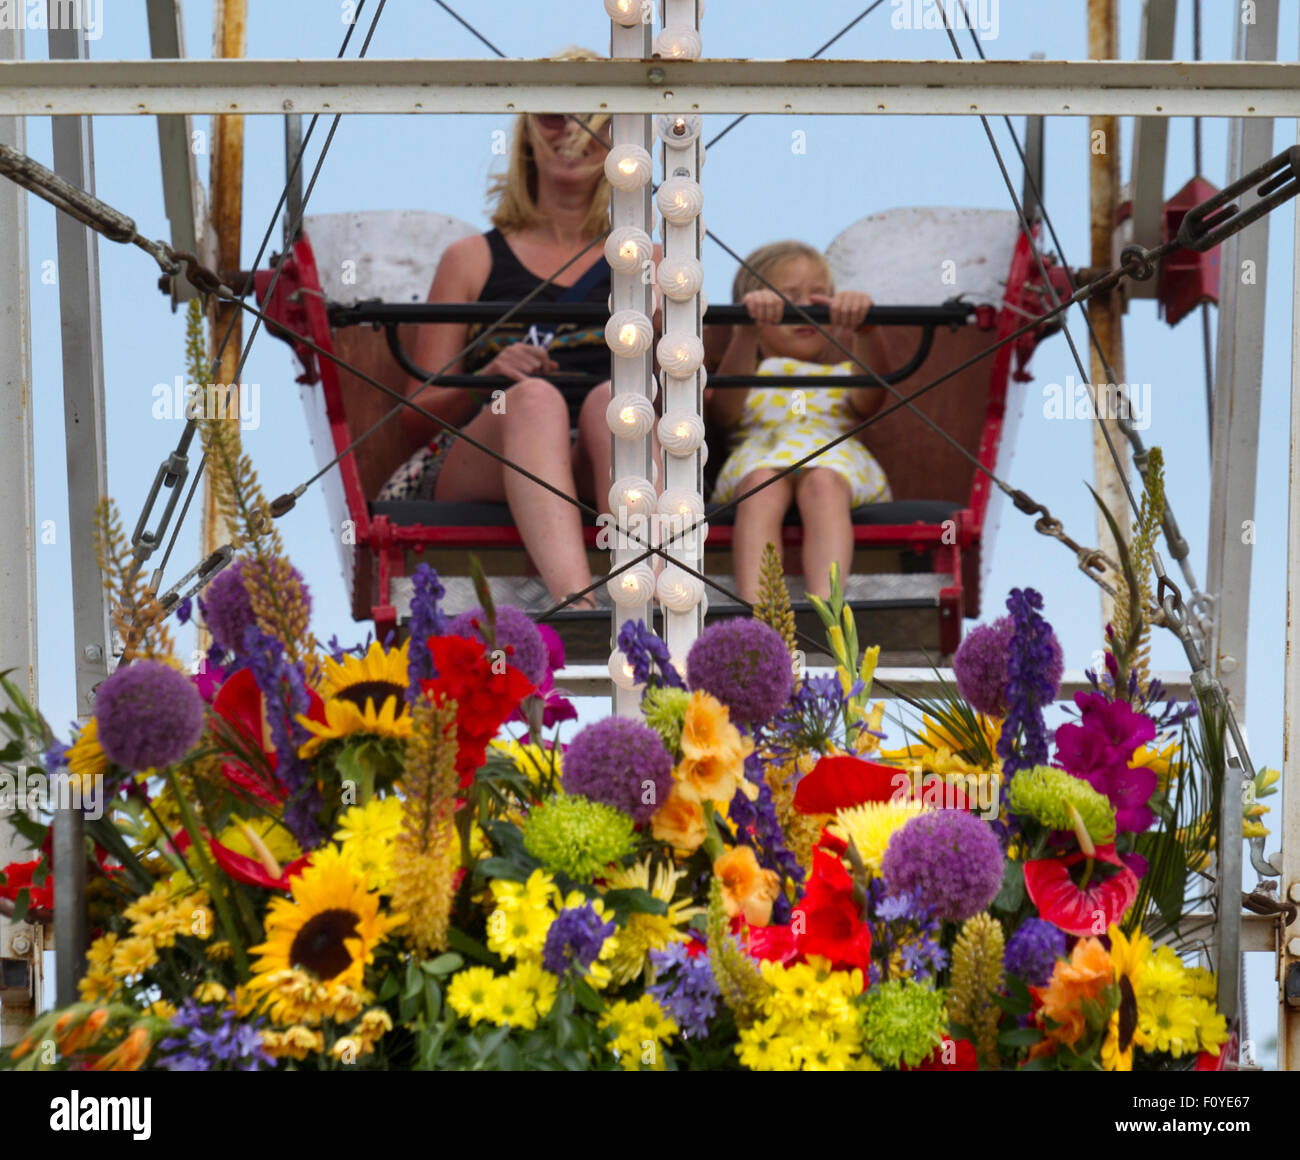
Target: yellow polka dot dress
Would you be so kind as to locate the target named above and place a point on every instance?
(781, 425)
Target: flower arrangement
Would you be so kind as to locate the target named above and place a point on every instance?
(380, 857)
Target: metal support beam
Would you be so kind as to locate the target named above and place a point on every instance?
(927, 87)
(1238, 380)
(182, 193)
(1150, 143)
(18, 941)
(83, 409)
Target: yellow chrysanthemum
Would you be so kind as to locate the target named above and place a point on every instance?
(1211, 1026)
(644, 933)
(220, 951)
(364, 695)
(98, 985)
(870, 827)
(100, 953)
(523, 914)
(1169, 1022)
(133, 956)
(86, 758)
(535, 762)
(210, 992)
(638, 1030)
(540, 984)
(366, 835)
(811, 1022)
(293, 1043)
(330, 928)
(471, 993)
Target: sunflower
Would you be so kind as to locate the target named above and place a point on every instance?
(85, 758)
(644, 933)
(329, 929)
(1128, 961)
(362, 695)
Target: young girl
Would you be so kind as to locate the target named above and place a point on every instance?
(776, 427)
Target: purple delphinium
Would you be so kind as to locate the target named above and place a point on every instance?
(951, 858)
(616, 761)
(903, 925)
(56, 756)
(1032, 656)
(426, 621)
(184, 610)
(148, 714)
(1032, 951)
(648, 656)
(685, 988)
(1099, 749)
(284, 695)
(217, 1040)
(758, 827)
(745, 665)
(574, 940)
(516, 635)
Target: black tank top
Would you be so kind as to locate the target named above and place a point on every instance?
(576, 349)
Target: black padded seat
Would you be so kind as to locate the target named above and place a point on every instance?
(497, 515)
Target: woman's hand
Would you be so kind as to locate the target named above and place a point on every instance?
(848, 308)
(521, 360)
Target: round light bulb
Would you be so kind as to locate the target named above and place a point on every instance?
(627, 249)
(679, 44)
(632, 587)
(681, 433)
(633, 495)
(680, 355)
(678, 130)
(680, 200)
(682, 504)
(680, 278)
(629, 333)
(630, 416)
(678, 591)
(620, 671)
(627, 167)
(624, 13)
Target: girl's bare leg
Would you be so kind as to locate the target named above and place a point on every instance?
(825, 504)
(758, 522)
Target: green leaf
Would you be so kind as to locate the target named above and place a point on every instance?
(389, 987)
(460, 941)
(633, 901)
(21, 904)
(1013, 1006)
(587, 997)
(444, 964)
(1012, 892)
(500, 868)
(1020, 1037)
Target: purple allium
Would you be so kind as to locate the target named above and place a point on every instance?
(980, 666)
(426, 621)
(515, 634)
(745, 665)
(216, 1040)
(646, 653)
(951, 858)
(685, 989)
(1032, 951)
(148, 714)
(616, 761)
(226, 608)
(574, 940)
(1098, 750)
(1033, 676)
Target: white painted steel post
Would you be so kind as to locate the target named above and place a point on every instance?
(681, 349)
(19, 942)
(630, 334)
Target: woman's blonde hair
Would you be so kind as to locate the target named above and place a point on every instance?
(515, 191)
(764, 262)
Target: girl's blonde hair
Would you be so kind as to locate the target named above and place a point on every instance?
(515, 191)
(765, 261)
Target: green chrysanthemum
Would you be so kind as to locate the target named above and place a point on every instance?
(665, 710)
(1047, 795)
(577, 836)
(902, 1021)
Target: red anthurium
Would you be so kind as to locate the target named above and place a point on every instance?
(1081, 911)
(951, 1055)
(485, 698)
(1205, 1061)
(250, 871)
(837, 783)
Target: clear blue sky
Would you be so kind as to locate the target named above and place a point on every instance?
(757, 189)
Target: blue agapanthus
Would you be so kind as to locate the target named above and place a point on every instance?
(215, 1040)
(574, 940)
(904, 933)
(648, 656)
(813, 720)
(1030, 657)
(426, 621)
(685, 988)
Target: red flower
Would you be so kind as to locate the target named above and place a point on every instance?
(484, 698)
(837, 783)
(951, 1055)
(18, 877)
(250, 871)
(827, 922)
(1086, 911)
(772, 942)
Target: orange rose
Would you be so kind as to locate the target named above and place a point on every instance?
(680, 822)
(747, 888)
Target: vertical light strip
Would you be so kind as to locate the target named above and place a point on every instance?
(681, 350)
(629, 251)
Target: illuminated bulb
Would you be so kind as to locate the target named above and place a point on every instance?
(680, 200)
(680, 278)
(625, 13)
(630, 416)
(627, 249)
(677, 130)
(620, 671)
(627, 167)
(680, 433)
(629, 333)
(679, 44)
(680, 355)
(679, 591)
(633, 495)
(632, 587)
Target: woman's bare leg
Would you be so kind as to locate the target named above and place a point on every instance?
(825, 503)
(758, 522)
(531, 430)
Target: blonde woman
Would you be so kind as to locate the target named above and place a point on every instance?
(551, 206)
